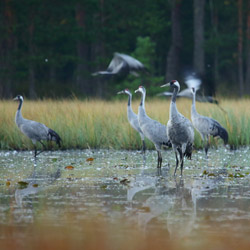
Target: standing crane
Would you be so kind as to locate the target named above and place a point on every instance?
(34, 130)
(153, 130)
(179, 129)
(132, 117)
(206, 126)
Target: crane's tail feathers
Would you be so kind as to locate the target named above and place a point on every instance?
(167, 144)
(222, 133)
(188, 151)
(53, 136)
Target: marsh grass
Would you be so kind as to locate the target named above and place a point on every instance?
(103, 124)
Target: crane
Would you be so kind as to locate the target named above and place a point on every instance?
(152, 129)
(191, 82)
(179, 129)
(122, 64)
(34, 130)
(206, 126)
(133, 118)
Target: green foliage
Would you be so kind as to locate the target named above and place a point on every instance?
(55, 45)
(144, 52)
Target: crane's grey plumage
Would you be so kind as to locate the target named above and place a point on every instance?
(191, 82)
(153, 130)
(122, 64)
(34, 130)
(179, 129)
(206, 126)
(133, 118)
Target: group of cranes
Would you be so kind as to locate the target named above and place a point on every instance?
(178, 133)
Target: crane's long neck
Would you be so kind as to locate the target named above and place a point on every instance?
(129, 108)
(193, 109)
(141, 110)
(19, 117)
(143, 96)
(129, 100)
(173, 109)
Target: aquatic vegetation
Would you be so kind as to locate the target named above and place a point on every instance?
(103, 124)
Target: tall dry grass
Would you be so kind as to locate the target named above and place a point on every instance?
(103, 124)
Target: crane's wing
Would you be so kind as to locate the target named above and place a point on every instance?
(202, 98)
(185, 93)
(193, 82)
(133, 63)
(34, 130)
(166, 93)
(116, 65)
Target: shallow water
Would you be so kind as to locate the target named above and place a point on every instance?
(212, 196)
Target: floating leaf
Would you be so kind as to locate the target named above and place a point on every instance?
(230, 175)
(211, 174)
(90, 159)
(205, 172)
(7, 183)
(238, 175)
(54, 159)
(104, 186)
(125, 181)
(69, 167)
(115, 178)
(35, 185)
(145, 209)
(23, 184)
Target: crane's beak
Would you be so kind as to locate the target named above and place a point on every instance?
(165, 85)
(136, 90)
(120, 92)
(15, 99)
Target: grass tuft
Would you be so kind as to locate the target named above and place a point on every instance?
(103, 124)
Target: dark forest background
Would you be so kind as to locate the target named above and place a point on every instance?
(50, 48)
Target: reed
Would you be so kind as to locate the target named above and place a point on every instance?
(103, 124)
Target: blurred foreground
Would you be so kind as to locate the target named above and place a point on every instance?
(118, 200)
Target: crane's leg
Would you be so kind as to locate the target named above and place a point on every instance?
(206, 145)
(35, 152)
(177, 160)
(182, 161)
(159, 159)
(143, 146)
(41, 150)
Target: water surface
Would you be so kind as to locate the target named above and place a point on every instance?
(73, 186)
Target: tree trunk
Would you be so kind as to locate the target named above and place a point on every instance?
(199, 58)
(82, 78)
(98, 51)
(32, 88)
(7, 46)
(212, 71)
(173, 56)
(240, 49)
(247, 83)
